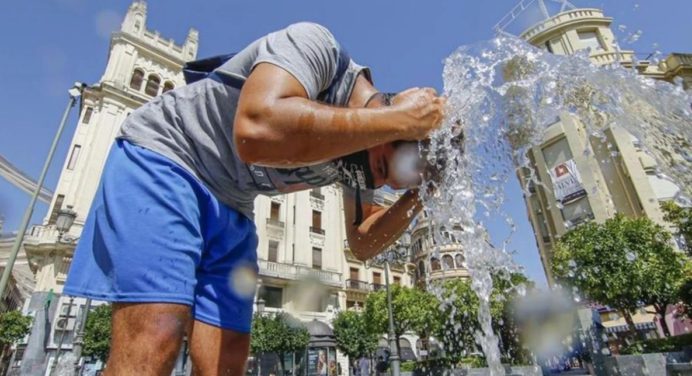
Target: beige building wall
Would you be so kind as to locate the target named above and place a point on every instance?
(619, 179)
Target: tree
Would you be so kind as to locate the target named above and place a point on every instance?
(681, 218)
(459, 317)
(13, 327)
(97, 332)
(625, 263)
(413, 310)
(278, 334)
(354, 336)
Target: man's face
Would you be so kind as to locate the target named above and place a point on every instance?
(396, 164)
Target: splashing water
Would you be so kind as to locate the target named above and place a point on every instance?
(504, 94)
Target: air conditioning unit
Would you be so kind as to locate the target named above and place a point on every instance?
(65, 323)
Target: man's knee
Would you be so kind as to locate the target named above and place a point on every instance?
(148, 331)
(155, 322)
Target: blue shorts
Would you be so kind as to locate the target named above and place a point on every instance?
(156, 234)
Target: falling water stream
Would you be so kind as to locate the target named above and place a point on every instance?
(503, 94)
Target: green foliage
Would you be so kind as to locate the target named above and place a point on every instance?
(353, 335)
(408, 366)
(669, 344)
(624, 263)
(459, 318)
(278, 334)
(681, 218)
(414, 310)
(13, 326)
(97, 332)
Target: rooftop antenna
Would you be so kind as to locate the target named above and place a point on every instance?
(501, 26)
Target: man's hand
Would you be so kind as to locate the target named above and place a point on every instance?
(421, 111)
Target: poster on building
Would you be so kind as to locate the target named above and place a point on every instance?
(566, 181)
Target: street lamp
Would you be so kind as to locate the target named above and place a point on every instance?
(75, 93)
(396, 253)
(65, 220)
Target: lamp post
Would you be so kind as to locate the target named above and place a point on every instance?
(63, 224)
(75, 92)
(397, 252)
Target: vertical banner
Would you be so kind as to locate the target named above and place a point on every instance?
(566, 181)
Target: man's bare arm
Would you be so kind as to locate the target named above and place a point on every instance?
(382, 226)
(277, 125)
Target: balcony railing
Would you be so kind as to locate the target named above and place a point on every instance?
(316, 230)
(377, 286)
(355, 284)
(275, 222)
(296, 272)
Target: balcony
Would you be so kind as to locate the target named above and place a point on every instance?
(316, 230)
(608, 57)
(354, 284)
(316, 195)
(297, 272)
(275, 223)
(377, 286)
(275, 228)
(316, 200)
(576, 16)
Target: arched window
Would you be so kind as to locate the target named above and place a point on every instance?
(447, 262)
(167, 86)
(434, 264)
(136, 80)
(152, 87)
(421, 268)
(459, 260)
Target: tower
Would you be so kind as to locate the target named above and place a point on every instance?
(141, 65)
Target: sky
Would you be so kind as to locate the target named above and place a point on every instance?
(49, 44)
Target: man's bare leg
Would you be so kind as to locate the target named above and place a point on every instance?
(217, 351)
(146, 338)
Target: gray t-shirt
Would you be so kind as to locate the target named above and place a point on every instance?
(193, 125)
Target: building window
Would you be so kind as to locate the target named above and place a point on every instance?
(272, 296)
(548, 47)
(136, 80)
(73, 157)
(448, 262)
(397, 280)
(152, 87)
(421, 268)
(459, 259)
(273, 254)
(590, 39)
(316, 258)
(56, 208)
(434, 264)
(543, 227)
(168, 86)
(376, 279)
(350, 304)
(353, 274)
(87, 115)
(556, 153)
(317, 222)
(274, 212)
(18, 355)
(317, 193)
(577, 212)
